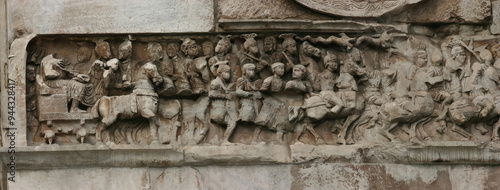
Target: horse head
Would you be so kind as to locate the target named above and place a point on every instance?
(152, 72)
(307, 49)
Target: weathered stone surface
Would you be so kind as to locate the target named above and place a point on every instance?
(97, 17)
(450, 11)
(495, 17)
(88, 178)
(237, 154)
(305, 176)
(418, 29)
(259, 9)
(225, 177)
(356, 8)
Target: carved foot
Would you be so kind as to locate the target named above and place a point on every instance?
(495, 139)
(441, 129)
(155, 142)
(482, 130)
(414, 140)
(349, 141)
(320, 141)
(227, 143)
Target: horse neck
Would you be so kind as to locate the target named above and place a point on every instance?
(305, 58)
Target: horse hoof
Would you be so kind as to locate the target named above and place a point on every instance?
(414, 140)
(495, 139)
(320, 141)
(155, 142)
(484, 131)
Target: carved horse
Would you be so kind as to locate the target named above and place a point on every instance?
(307, 51)
(143, 101)
(412, 109)
(464, 113)
(317, 109)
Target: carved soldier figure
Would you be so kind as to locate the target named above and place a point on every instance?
(288, 55)
(275, 83)
(156, 55)
(221, 111)
(251, 52)
(222, 54)
(207, 48)
(248, 93)
(299, 82)
(327, 81)
(179, 73)
(194, 67)
(79, 90)
(124, 55)
(31, 114)
(84, 52)
(97, 70)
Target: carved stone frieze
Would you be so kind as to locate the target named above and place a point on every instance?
(325, 88)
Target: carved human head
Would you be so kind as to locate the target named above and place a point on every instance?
(421, 56)
(30, 72)
(84, 52)
(269, 44)
(112, 64)
(224, 44)
(207, 48)
(125, 50)
(190, 48)
(278, 68)
(437, 57)
(299, 72)
(250, 44)
(248, 70)
(102, 49)
(172, 50)
(458, 54)
(495, 50)
(330, 61)
(486, 56)
(355, 55)
(155, 51)
(289, 43)
(224, 72)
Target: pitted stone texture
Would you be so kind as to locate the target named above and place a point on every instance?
(223, 177)
(115, 16)
(88, 178)
(450, 11)
(315, 175)
(495, 11)
(259, 9)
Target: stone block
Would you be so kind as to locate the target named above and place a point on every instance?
(495, 17)
(450, 11)
(115, 16)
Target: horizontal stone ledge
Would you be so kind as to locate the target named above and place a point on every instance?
(296, 25)
(437, 153)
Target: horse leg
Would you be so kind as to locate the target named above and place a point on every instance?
(462, 132)
(154, 131)
(231, 126)
(413, 129)
(494, 134)
(385, 131)
(318, 139)
(298, 131)
(345, 128)
(98, 133)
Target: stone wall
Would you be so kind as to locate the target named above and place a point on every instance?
(409, 146)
